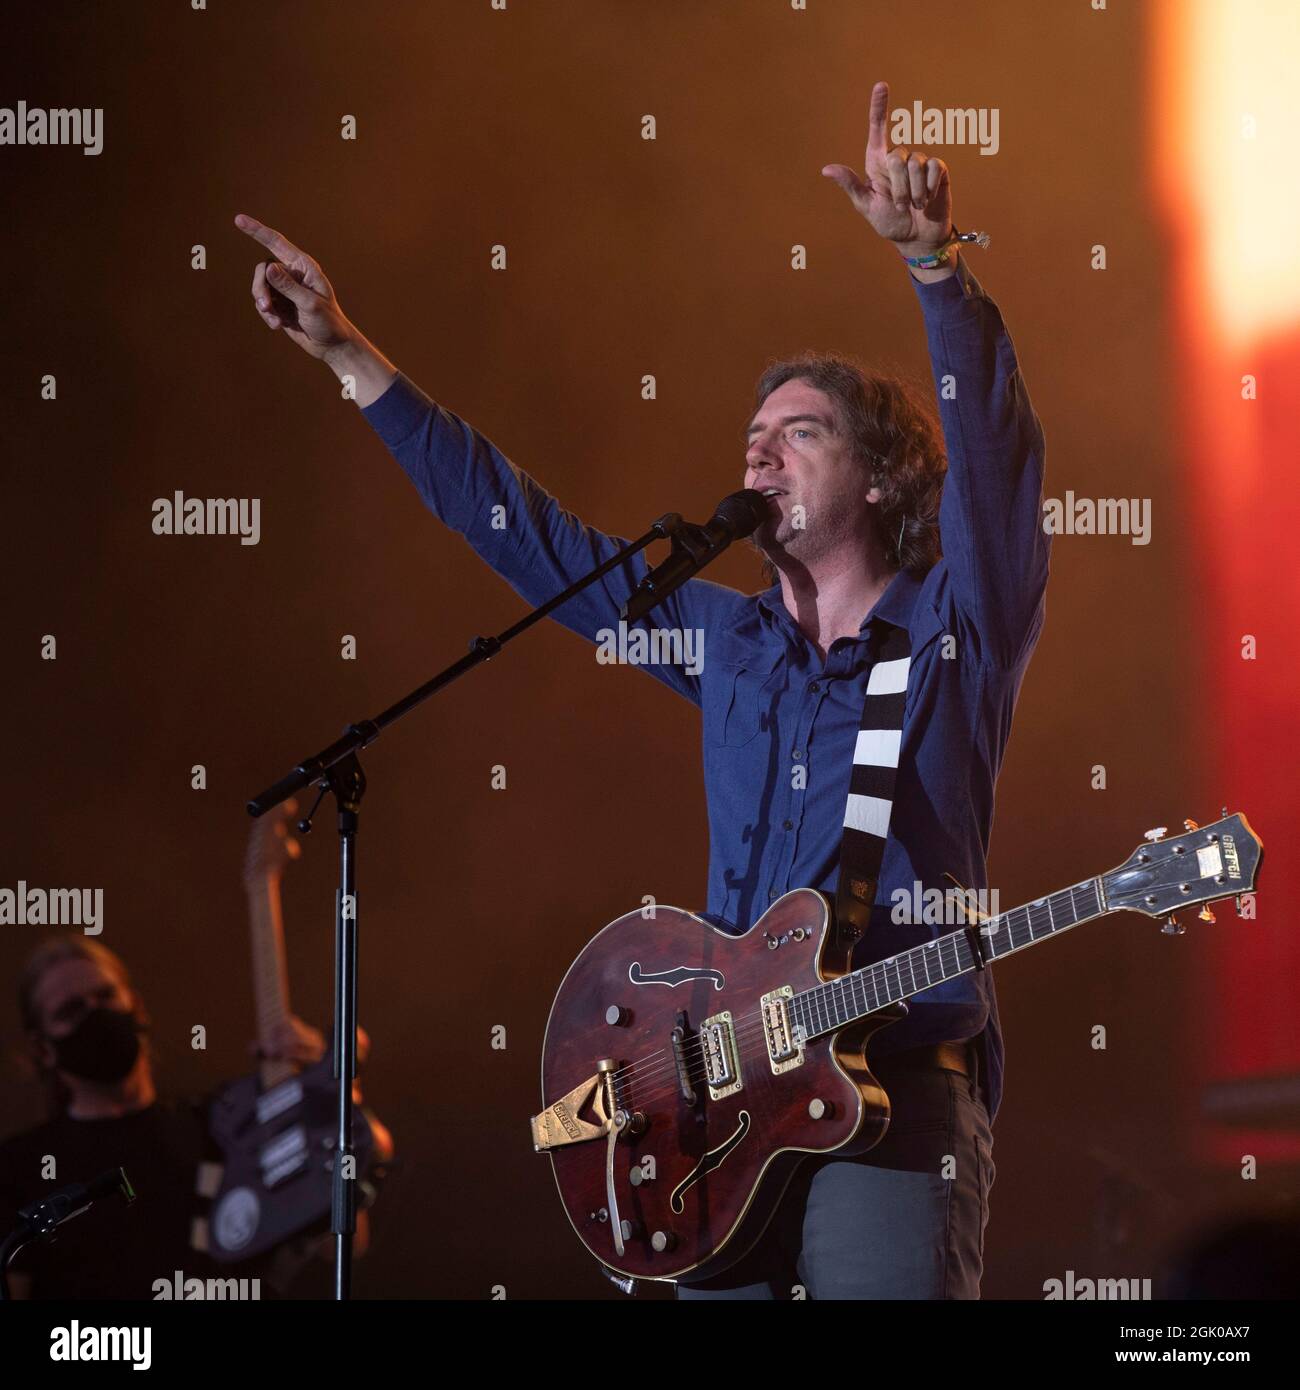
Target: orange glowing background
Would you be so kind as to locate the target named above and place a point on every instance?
(1227, 112)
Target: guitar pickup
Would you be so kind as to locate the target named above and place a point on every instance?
(284, 1156)
(721, 1058)
(562, 1123)
(785, 1041)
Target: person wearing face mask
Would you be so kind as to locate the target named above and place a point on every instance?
(88, 1036)
(87, 1032)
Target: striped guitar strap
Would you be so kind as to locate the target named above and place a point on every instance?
(871, 785)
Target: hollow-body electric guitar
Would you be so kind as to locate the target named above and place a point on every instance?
(686, 1071)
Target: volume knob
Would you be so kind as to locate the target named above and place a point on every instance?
(663, 1240)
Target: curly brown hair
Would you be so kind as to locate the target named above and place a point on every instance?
(895, 435)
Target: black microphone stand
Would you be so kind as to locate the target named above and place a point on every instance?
(40, 1219)
(337, 769)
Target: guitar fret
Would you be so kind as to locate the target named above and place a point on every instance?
(871, 987)
(869, 978)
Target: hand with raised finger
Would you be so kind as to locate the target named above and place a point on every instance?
(904, 195)
(292, 292)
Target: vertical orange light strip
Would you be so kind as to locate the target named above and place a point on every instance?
(1224, 127)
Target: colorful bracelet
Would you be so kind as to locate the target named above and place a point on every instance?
(940, 256)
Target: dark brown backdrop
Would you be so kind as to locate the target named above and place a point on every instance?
(625, 257)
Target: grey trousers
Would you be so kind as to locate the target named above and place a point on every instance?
(902, 1221)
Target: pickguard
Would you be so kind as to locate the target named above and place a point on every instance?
(676, 976)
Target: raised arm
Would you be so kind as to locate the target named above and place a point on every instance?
(291, 293)
(990, 520)
(509, 520)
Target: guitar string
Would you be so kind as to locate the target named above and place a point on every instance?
(653, 1074)
(661, 1087)
(692, 1048)
(896, 962)
(661, 1064)
(877, 974)
(653, 1089)
(649, 1069)
(663, 1081)
(1034, 915)
(841, 991)
(872, 976)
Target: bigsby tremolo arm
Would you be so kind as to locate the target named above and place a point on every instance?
(561, 1123)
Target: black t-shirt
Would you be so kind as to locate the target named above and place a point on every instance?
(115, 1250)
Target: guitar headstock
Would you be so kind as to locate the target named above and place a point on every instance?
(270, 845)
(1206, 863)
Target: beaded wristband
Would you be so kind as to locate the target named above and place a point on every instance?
(939, 257)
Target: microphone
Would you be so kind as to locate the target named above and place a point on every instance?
(733, 519)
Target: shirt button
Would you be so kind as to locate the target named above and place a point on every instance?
(788, 824)
(796, 754)
(772, 894)
(814, 686)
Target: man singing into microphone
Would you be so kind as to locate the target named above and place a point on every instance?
(859, 543)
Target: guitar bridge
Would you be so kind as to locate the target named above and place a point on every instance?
(562, 1123)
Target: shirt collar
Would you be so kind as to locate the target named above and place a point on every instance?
(896, 605)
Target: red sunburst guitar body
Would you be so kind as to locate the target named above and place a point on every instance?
(696, 1171)
(687, 1071)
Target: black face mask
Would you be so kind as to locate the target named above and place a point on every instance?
(104, 1046)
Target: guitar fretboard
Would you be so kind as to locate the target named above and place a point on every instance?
(270, 976)
(861, 992)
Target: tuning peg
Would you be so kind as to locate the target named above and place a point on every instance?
(1206, 915)
(1156, 834)
(1191, 825)
(1173, 927)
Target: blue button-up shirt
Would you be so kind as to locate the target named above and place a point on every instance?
(779, 723)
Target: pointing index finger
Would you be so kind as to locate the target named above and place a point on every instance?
(876, 142)
(280, 247)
